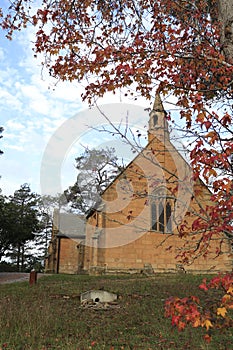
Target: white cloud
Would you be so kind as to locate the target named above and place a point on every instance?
(2, 54)
(15, 147)
(14, 125)
(34, 108)
(9, 100)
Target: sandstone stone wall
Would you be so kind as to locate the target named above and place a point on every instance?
(69, 256)
(125, 242)
(119, 233)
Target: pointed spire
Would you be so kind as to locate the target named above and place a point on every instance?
(158, 106)
(158, 126)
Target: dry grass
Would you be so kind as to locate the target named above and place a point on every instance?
(48, 315)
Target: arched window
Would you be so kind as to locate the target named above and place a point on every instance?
(155, 119)
(161, 212)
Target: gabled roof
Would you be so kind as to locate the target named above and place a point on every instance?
(71, 225)
(157, 107)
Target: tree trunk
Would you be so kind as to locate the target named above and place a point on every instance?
(225, 16)
(18, 257)
(22, 258)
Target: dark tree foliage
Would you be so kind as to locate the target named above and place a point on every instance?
(5, 239)
(19, 221)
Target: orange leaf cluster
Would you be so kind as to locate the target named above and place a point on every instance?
(190, 311)
(120, 43)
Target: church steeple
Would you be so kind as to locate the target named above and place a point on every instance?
(158, 125)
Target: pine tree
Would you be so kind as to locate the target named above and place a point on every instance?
(23, 220)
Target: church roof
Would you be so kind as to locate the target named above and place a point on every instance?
(71, 225)
(153, 133)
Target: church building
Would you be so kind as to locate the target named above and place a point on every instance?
(144, 220)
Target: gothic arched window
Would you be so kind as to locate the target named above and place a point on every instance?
(161, 212)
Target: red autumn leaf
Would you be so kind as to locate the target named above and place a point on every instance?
(207, 338)
(175, 320)
(207, 124)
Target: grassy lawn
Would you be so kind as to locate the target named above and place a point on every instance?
(48, 315)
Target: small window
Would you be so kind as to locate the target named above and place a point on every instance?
(161, 214)
(168, 217)
(155, 119)
(154, 216)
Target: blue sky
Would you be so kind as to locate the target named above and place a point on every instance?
(30, 112)
(32, 109)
